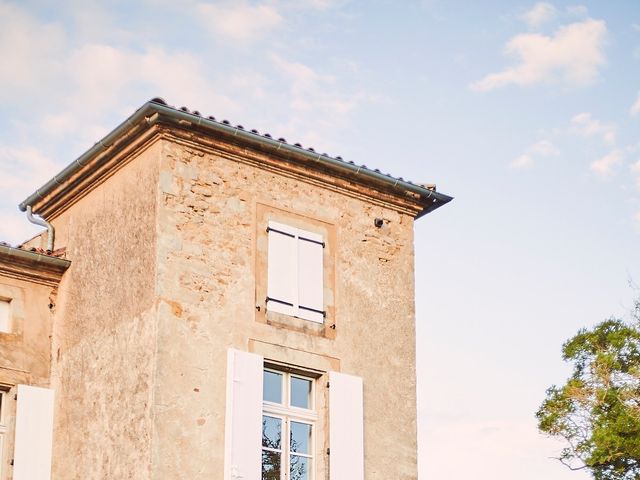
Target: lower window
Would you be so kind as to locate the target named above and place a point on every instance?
(288, 426)
(3, 426)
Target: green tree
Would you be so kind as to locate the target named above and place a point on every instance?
(597, 411)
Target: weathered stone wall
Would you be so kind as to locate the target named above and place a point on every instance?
(207, 255)
(25, 353)
(104, 333)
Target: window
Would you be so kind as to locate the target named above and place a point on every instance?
(5, 316)
(288, 426)
(295, 272)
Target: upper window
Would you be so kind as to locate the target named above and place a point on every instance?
(295, 272)
(5, 316)
(288, 426)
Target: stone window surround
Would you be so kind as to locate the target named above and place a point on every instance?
(264, 213)
(15, 295)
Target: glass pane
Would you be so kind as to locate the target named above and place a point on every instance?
(300, 392)
(270, 465)
(272, 387)
(300, 437)
(271, 432)
(300, 468)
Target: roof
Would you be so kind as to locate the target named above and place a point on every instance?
(35, 265)
(426, 195)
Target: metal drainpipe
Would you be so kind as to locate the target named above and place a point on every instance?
(43, 223)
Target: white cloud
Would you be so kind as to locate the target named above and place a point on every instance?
(578, 10)
(23, 169)
(523, 161)
(30, 52)
(242, 23)
(635, 170)
(104, 76)
(573, 54)
(313, 95)
(541, 13)
(543, 148)
(587, 126)
(635, 108)
(605, 166)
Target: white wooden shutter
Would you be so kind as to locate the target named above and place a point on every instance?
(346, 430)
(243, 416)
(282, 269)
(310, 276)
(34, 434)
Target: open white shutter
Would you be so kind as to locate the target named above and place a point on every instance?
(346, 431)
(34, 434)
(310, 276)
(243, 418)
(282, 269)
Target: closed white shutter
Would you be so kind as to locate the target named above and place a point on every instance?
(346, 431)
(310, 276)
(243, 416)
(282, 269)
(34, 434)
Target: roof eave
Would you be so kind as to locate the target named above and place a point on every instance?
(427, 198)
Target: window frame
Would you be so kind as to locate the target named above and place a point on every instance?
(328, 230)
(289, 413)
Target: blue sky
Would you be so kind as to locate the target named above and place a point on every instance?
(528, 113)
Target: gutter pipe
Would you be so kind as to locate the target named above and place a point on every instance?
(51, 233)
(159, 106)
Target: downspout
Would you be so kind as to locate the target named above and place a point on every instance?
(51, 233)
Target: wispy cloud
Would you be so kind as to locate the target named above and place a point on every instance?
(605, 166)
(243, 23)
(314, 94)
(578, 10)
(635, 108)
(573, 54)
(23, 169)
(541, 13)
(543, 148)
(634, 168)
(584, 124)
(30, 52)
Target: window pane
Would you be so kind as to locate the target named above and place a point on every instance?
(300, 392)
(272, 387)
(271, 432)
(270, 465)
(299, 468)
(300, 437)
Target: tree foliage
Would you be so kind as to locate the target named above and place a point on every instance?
(597, 411)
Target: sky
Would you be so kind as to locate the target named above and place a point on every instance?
(527, 113)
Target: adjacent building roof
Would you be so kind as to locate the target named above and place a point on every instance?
(34, 265)
(149, 113)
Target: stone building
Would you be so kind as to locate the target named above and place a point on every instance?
(227, 303)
